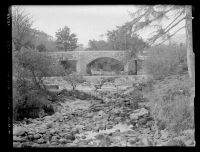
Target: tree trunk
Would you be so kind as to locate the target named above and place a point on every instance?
(189, 43)
(135, 67)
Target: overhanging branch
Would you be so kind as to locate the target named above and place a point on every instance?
(171, 35)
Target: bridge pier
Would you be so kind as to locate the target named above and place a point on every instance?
(131, 67)
(81, 68)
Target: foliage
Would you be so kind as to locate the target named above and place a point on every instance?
(74, 79)
(68, 65)
(30, 95)
(22, 33)
(152, 16)
(45, 39)
(28, 101)
(98, 45)
(41, 48)
(165, 60)
(119, 39)
(40, 65)
(65, 40)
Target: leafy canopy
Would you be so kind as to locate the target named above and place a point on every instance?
(66, 40)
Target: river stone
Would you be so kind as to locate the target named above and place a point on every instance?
(18, 131)
(189, 132)
(164, 134)
(79, 127)
(157, 135)
(18, 139)
(52, 131)
(41, 141)
(36, 136)
(54, 143)
(132, 140)
(49, 125)
(141, 112)
(75, 131)
(101, 113)
(133, 116)
(30, 137)
(175, 143)
(41, 131)
(54, 138)
(96, 118)
(147, 131)
(146, 142)
(190, 142)
(70, 136)
(31, 133)
(16, 144)
(63, 141)
(142, 121)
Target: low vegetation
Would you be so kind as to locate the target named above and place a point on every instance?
(74, 79)
(166, 60)
(172, 97)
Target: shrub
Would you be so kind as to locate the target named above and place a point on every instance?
(165, 60)
(101, 81)
(30, 103)
(29, 92)
(74, 79)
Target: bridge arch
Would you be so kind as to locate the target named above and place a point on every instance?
(109, 65)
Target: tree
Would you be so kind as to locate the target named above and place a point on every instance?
(121, 39)
(98, 45)
(100, 82)
(147, 16)
(22, 33)
(66, 40)
(80, 47)
(34, 66)
(41, 48)
(45, 39)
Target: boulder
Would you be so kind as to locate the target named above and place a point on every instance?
(18, 131)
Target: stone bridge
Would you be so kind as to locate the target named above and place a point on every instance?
(83, 58)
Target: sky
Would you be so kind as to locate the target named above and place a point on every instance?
(87, 22)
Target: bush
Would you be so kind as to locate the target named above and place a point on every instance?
(74, 79)
(29, 103)
(166, 60)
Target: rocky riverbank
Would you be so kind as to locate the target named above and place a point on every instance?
(116, 120)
